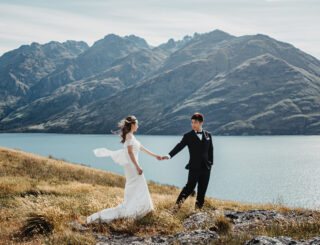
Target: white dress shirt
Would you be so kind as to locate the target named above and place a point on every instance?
(199, 135)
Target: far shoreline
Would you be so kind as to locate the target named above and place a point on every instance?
(230, 135)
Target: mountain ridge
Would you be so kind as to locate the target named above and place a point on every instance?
(213, 73)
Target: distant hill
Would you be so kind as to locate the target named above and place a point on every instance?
(247, 85)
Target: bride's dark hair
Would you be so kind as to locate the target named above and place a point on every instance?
(125, 126)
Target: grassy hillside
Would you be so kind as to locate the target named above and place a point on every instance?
(40, 189)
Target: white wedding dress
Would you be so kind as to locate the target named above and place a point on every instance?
(137, 201)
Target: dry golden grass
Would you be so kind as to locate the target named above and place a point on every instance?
(62, 192)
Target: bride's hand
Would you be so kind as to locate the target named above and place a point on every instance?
(158, 157)
(139, 170)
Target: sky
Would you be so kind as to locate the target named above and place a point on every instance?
(26, 21)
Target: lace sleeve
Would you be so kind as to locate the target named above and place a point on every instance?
(129, 140)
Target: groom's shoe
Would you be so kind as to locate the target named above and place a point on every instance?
(175, 209)
(198, 206)
(177, 206)
(193, 193)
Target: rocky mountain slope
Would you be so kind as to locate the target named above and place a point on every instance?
(247, 85)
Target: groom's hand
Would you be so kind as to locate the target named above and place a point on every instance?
(165, 158)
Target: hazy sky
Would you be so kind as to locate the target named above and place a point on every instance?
(26, 21)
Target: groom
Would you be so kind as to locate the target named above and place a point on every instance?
(200, 147)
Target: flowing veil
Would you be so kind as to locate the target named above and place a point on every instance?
(118, 156)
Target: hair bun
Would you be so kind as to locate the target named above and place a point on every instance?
(125, 125)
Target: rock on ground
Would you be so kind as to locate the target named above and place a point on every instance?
(282, 240)
(194, 237)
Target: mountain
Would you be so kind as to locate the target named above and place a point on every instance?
(199, 47)
(264, 95)
(94, 60)
(247, 85)
(76, 68)
(172, 45)
(21, 68)
(72, 96)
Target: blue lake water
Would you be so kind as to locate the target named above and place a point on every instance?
(255, 169)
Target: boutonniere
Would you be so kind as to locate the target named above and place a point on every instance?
(206, 136)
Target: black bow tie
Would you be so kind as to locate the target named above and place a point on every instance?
(198, 132)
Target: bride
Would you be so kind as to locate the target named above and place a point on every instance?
(137, 201)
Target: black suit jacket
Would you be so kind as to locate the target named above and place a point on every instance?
(200, 151)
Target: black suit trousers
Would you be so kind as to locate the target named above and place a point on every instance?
(200, 177)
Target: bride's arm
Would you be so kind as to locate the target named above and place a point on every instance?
(150, 153)
(133, 159)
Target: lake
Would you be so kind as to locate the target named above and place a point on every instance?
(256, 169)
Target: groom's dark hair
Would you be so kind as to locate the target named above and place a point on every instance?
(197, 116)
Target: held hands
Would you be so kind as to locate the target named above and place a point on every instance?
(162, 158)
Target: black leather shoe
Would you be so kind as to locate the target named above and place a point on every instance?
(197, 206)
